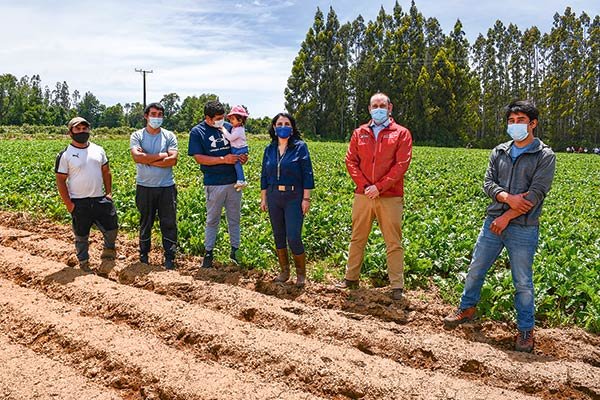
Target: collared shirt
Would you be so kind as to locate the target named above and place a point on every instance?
(378, 128)
(294, 168)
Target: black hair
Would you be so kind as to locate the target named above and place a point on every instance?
(241, 118)
(295, 132)
(213, 108)
(156, 106)
(525, 106)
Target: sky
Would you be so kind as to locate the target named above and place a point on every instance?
(241, 50)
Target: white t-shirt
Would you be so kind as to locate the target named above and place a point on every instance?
(84, 170)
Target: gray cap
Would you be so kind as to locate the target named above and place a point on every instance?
(76, 121)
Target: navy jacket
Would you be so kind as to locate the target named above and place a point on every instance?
(295, 167)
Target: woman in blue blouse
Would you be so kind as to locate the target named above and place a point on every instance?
(286, 182)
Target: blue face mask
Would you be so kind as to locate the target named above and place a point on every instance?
(155, 122)
(379, 115)
(517, 131)
(283, 132)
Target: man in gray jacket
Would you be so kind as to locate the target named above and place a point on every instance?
(518, 177)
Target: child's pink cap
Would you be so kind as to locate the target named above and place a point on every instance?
(238, 110)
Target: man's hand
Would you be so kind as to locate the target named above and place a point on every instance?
(70, 207)
(499, 224)
(229, 159)
(517, 202)
(372, 192)
(243, 158)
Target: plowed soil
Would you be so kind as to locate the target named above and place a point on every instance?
(136, 331)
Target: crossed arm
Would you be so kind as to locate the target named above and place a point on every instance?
(163, 160)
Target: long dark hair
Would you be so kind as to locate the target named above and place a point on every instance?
(295, 132)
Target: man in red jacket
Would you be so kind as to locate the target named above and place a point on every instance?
(377, 159)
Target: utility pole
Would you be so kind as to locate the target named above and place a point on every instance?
(144, 72)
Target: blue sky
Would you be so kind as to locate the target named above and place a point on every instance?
(240, 50)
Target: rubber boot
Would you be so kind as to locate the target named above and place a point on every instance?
(284, 264)
(300, 262)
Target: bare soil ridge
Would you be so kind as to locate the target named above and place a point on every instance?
(264, 340)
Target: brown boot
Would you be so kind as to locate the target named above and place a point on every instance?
(300, 262)
(284, 264)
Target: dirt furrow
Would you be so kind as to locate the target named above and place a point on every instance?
(26, 375)
(121, 357)
(322, 368)
(542, 375)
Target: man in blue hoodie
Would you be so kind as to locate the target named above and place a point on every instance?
(518, 178)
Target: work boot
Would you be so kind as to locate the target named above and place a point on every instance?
(84, 265)
(144, 258)
(108, 254)
(460, 316)
(524, 341)
(347, 284)
(169, 262)
(207, 261)
(284, 265)
(397, 293)
(300, 263)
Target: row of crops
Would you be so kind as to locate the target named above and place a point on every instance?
(444, 209)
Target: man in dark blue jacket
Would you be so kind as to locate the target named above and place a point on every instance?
(518, 178)
(212, 151)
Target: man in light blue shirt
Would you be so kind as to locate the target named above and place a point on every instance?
(154, 150)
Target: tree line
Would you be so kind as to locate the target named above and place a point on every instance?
(447, 91)
(24, 101)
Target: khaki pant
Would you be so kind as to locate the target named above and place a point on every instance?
(388, 212)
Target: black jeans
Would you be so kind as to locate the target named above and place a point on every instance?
(87, 212)
(161, 200)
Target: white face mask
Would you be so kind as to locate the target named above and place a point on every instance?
(219, 124)
(155, 122)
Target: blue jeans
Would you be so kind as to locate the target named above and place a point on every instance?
(521, 243)
(239, 171)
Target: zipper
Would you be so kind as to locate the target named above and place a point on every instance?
(279, 159)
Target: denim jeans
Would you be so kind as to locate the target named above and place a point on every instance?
(239, 170)
(285, 214)
(521, 243)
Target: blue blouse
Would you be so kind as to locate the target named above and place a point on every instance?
(294, 168)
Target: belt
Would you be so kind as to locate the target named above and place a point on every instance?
(284, 188)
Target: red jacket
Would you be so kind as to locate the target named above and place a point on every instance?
(382, 162)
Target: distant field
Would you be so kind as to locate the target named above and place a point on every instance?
(444, 208)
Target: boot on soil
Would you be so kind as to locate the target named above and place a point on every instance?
(284, 265)
(207, 261)
(300, 263)
(524, 341)
(397, 294)
(144, 258)
(347, 284)
(460, 316)
(84, 265)
(169, 262)
(108, 254)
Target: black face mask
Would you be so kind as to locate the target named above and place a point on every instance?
(81, 137)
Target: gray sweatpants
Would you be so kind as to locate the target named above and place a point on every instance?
(217, 197)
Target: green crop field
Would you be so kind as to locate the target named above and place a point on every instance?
(444, 210)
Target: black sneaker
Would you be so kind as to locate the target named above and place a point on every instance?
(207, 261)
(144, 258)
(234, 255)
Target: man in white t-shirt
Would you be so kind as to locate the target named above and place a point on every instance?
(154, 149)
(85, 185)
